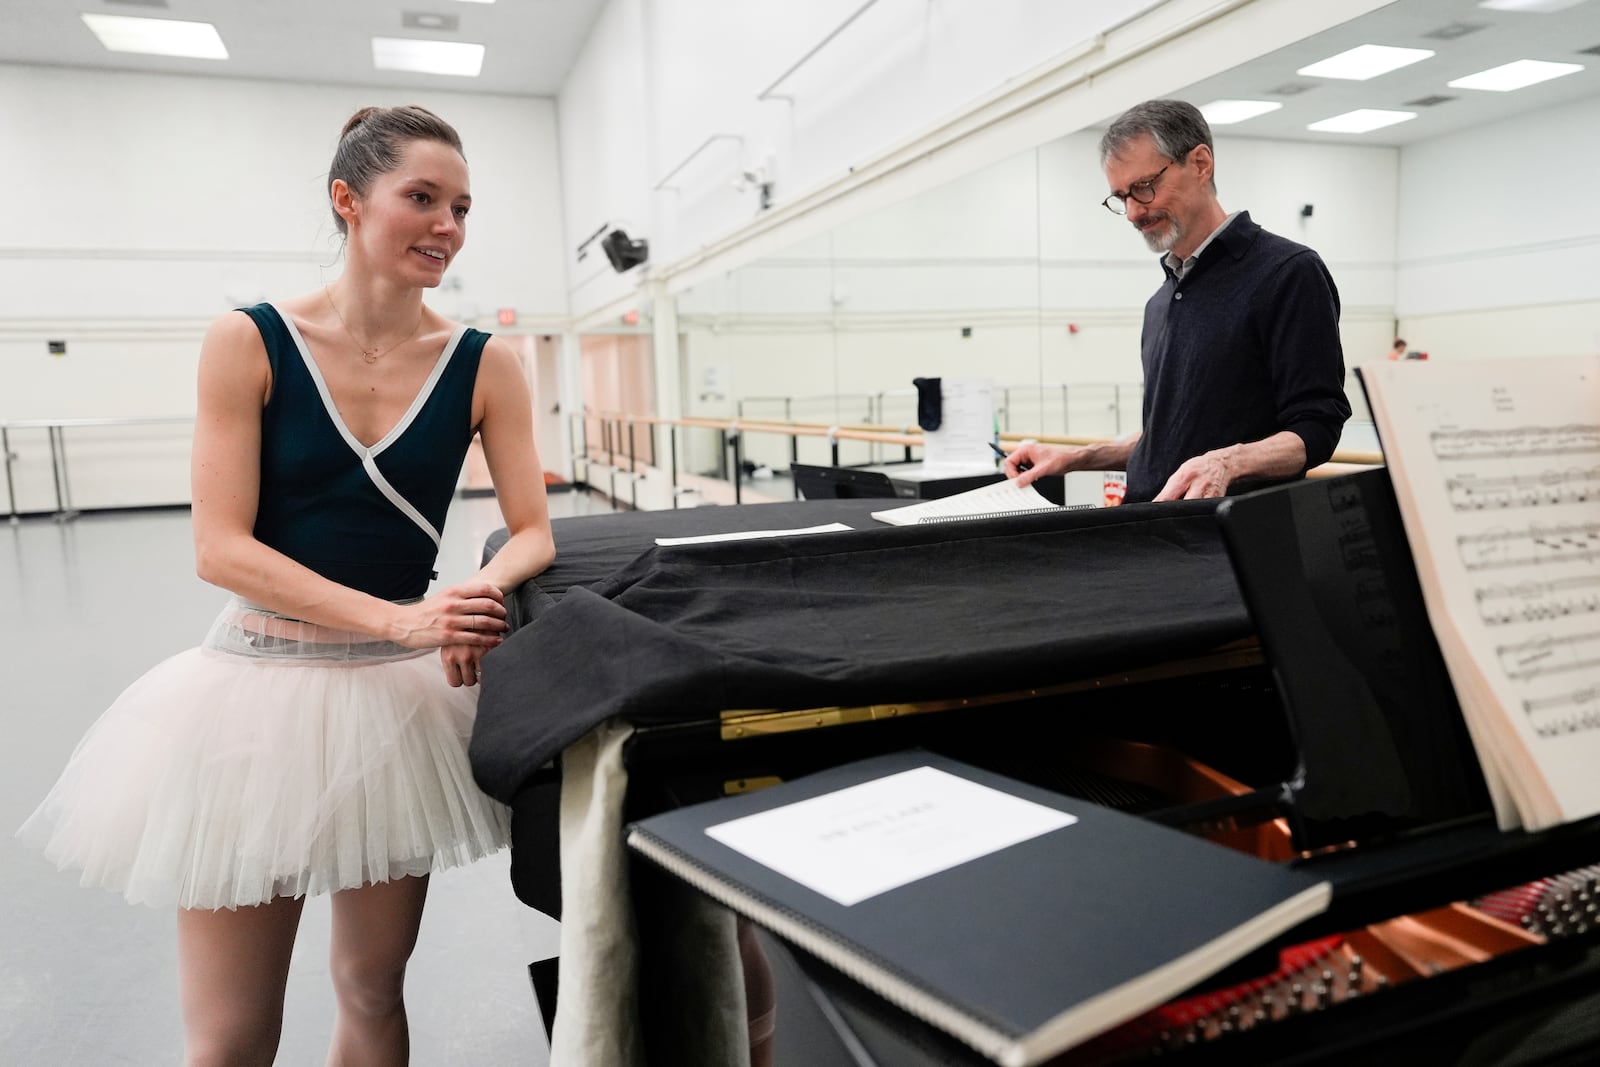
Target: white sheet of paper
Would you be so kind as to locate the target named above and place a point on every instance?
(749, 535)
(961, 443)
(993, 499)
(858, 842)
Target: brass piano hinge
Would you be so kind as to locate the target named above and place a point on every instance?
(740, 724)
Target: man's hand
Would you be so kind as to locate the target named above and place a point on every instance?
(1206, 475)
(1031, 461)
(1283, 455)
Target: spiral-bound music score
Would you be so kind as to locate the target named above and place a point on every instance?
(1496, 466)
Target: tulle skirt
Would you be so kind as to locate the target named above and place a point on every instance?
(278, 759)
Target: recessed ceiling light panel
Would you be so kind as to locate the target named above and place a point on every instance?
(1365, 61)
(1543, 6)
(156, 37)
(1518, 75)
(1362, 120)
(427, 57)
(1228, 112)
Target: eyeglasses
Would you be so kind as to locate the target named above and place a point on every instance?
(1143, 192)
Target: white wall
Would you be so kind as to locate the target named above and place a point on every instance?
(606, 159)
(1498, 240)
(658, 78)
(144, 205)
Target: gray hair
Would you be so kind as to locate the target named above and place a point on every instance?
(1175, 126)
(374, 138)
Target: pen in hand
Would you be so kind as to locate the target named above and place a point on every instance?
(1002, 454)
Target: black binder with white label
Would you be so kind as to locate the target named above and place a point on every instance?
(1021, 952)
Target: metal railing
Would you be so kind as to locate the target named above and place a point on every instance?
(617, 448)
(56, 431)
(1074, 401)
(1098, 408)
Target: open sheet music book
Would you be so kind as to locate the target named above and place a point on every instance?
(989, 501)
(1496, 467)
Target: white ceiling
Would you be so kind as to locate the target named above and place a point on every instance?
(532, 44)
(1506, 35)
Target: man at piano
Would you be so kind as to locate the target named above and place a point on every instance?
(1243, 369)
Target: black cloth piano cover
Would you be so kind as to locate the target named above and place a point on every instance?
(887, 614)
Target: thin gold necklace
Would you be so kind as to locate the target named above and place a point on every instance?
(370, 355)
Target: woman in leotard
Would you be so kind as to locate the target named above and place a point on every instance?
(313, 744)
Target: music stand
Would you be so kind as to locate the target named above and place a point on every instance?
(840, 483)
(1327, 574)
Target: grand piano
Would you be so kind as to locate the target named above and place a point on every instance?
(1261, 674)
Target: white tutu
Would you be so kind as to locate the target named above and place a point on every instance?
(280, 759)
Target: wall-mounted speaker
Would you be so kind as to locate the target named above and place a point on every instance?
(624, 252)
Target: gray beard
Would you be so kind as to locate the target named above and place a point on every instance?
(1162, 241)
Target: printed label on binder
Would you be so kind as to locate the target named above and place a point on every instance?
(855, 843)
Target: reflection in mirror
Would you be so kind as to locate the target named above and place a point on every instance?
(618, 376)
(834, 330)
(1435, 229)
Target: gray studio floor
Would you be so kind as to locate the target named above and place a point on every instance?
(86, 979)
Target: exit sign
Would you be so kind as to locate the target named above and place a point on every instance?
(508, 316)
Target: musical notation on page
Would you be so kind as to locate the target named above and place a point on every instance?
(1520, 442)
(1531, 546)
(1499, 605)
(1564, 713)
(1496, 464)
(1547, 488)
(1548, 654)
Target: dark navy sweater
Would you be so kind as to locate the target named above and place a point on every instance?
(1246, 345)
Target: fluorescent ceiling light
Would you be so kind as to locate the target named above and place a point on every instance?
(157, 37)
(1362, 120)
(1529, 5)
(1365, 61)
(1518, 75)
(1227, 112)
(477, 1)
(427, 57)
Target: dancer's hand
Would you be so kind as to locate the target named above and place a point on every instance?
(471, 615)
